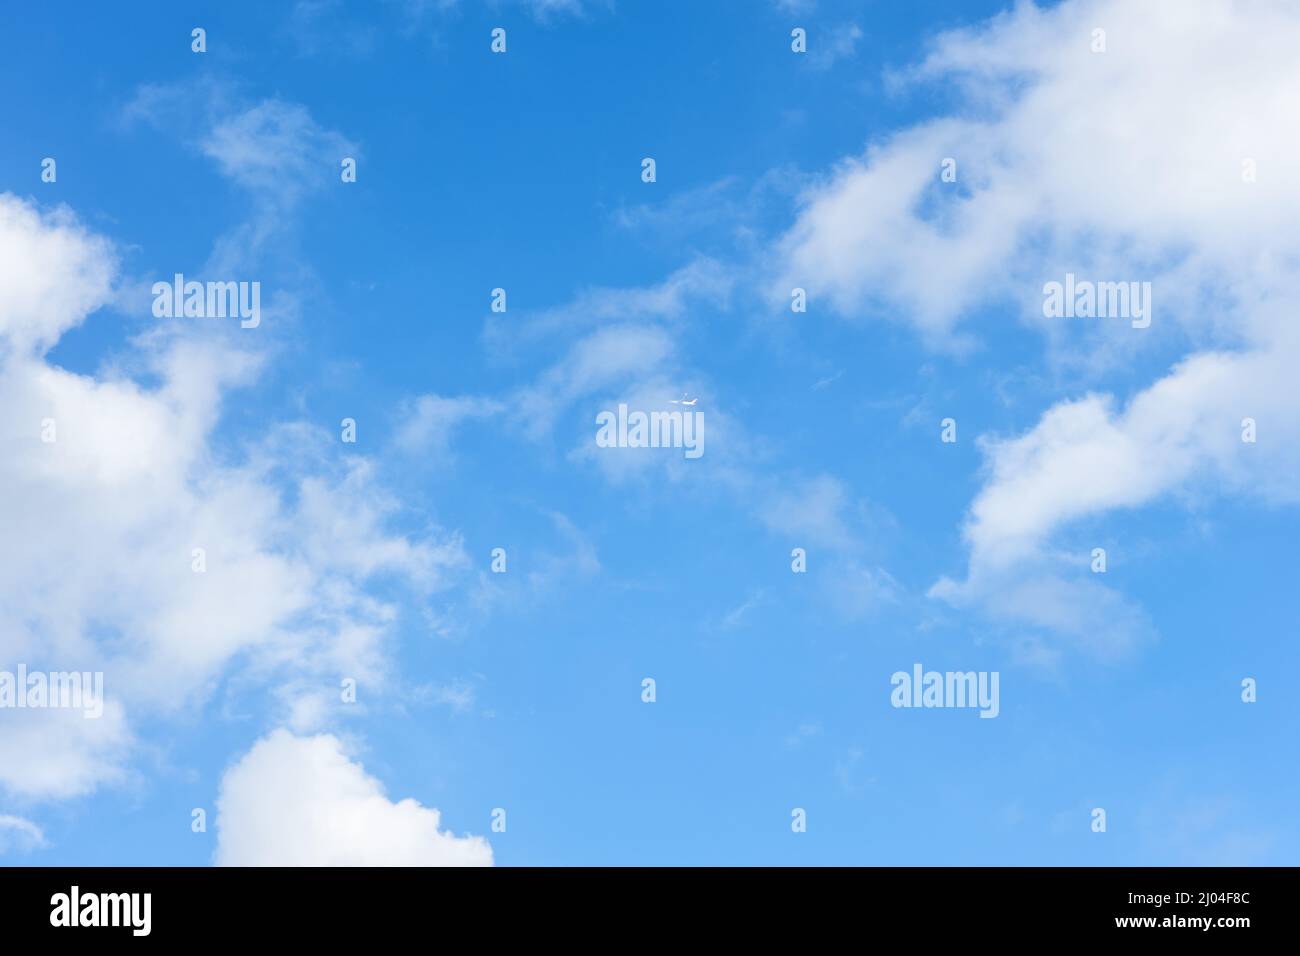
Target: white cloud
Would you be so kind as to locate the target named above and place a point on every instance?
(1067, 158)
(276, 148)
(458, 695)
(1085, 456)
(811, 513)
(701, 282)
(617, 345)
(728, 213)
(102, 523)
(1122, 165)
(736, 616)
(548, 570)
(838, 534)
(299, 801)
(59, 753)
(273, 150)
(856, 590)
(829, 45)
(606, 358)
(644, 364)
(52, 274)
(17, 834)
(429, 421)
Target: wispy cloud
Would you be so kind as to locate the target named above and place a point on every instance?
(19, 836)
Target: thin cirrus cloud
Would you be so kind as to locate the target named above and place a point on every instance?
(19, 835)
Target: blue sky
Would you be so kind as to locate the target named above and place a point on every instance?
(522, 690)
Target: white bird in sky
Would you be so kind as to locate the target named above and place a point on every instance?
(683, 400)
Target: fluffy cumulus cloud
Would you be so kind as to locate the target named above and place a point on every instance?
(1067, 157)
(299, 801)
(52, 273)
(112, 485)
(1160, 160)
(140, 546)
